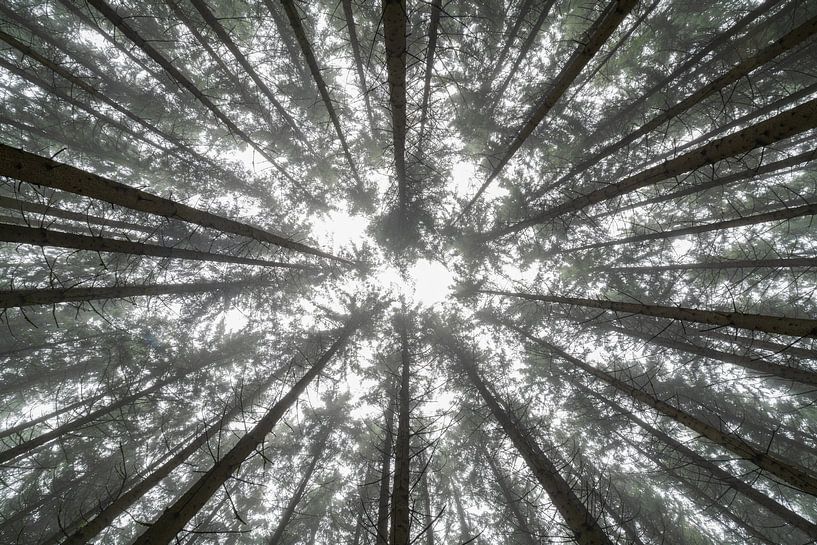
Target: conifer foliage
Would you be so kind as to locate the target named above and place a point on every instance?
(402, 272)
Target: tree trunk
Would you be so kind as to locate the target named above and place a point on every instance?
(774, 129)
(37, 170)
(786, 43)
(56, 239)
(17, 428)
(323, 90)
(385, 473)
(722, 181)
(583, 525)
(361, 74)
(524, 8)
(428, 517)
(297, 496)
(723, 476)
(433, 25)
(401, 508)
(597, 34)
(796, 327)
(523, 51)
(224, 36)
(115, 19)
(780, 263)
(775, 215)
(174, 518)
(90, 529)
(794, 475)
(749, 342)
(510, 500)
(802, 376)
(394, 32)
(24, 298)
(53, 211)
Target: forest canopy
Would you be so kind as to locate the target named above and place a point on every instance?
(399, 272)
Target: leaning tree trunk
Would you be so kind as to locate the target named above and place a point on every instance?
(792, 39)
(17, 428)
(598, 34)
(57, 239)
(717, 265)
(361, 74)
(53, 211)
(297, 496)
(794, 475)
(511, 501)
(42, 171)
(315, 70)
(174, 518)
(783, 125)
(401, 508)
(23, 298)
(434, 22)
(797, 327)
(90, 529)
(723, 476)
(583, 525)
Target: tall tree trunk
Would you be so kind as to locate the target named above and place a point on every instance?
(119, 22)
(174, 518)
(797, 327)
(583, 525)
(718, 265)
(306, 48)
(385, 474)
(597, 34)
(792, 39)
(749, 342)
(722, 181)
(37, 170)
(723, 476)
(401, 508)
(774, 129)
(753, 219)
(523, 51)
(428, 517)
(361, 74)
(764, 367)
(213, 22)
(510, 500)
(524, 9)
(105, 517)
(792, 474)
(23, 298)
(394, 32)
(16, 349)
(56, 239)
(56, 212)
(433, 24)
(17, 428)
(297, 496)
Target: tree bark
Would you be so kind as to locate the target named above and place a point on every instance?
(511, 501)
(23, 298)
(394, 32)
(792, 474)
(774, 129)
(724, 264)
(298, 495)
(433, 25)
(723, 476)
(306, 48)
(401, 509)
(115, 19)
(597, 34)
(37, 170)
(385, 473)
(753, 219)
(56, 212)
(174, 518)
(361, 74)
(796, 327)
(783, 44)
(583, 525)
(90, 529)
(57, 239)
